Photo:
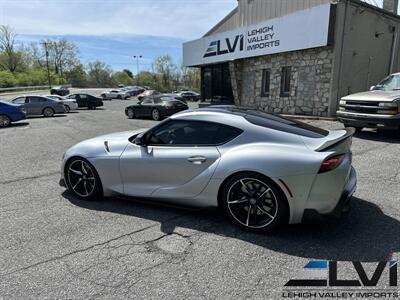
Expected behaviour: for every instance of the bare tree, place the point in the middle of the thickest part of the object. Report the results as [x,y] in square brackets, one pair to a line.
[63,55]
[10,58]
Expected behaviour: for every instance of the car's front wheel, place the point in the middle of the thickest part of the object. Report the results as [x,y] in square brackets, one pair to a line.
[131,113]
[82,179]
[67,109]
[4,121]
[254,202]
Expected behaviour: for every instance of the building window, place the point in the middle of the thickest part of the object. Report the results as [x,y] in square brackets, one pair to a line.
[285,81]
[266,78]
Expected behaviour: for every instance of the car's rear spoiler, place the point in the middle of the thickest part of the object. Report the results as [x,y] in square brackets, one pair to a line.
[335,141]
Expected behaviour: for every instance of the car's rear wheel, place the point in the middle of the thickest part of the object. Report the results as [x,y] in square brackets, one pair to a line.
[254,202]
[131,113]
[67,108]
[155,114]
[48,112]
[82,179]
[5,121]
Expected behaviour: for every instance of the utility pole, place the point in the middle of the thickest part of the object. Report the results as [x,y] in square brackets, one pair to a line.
[137,64]
[47,64]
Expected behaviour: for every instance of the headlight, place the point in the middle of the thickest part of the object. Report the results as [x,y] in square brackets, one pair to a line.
[342,102]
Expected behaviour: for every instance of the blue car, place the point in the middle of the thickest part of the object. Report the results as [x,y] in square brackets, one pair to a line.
[11,113]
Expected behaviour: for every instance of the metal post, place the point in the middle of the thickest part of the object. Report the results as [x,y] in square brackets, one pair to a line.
[47,64]
[137,65]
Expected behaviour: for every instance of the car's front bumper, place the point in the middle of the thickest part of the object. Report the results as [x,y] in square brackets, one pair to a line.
[369,120]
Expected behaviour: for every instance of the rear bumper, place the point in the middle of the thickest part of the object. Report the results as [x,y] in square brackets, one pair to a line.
[342,205]
[368,120]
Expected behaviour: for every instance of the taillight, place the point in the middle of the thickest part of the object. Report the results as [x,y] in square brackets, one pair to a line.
[331,163]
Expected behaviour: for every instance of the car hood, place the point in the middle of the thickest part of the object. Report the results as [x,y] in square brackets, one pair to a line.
[112,144]
[384,96]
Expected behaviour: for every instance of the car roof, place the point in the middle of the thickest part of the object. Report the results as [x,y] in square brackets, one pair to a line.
[244,117]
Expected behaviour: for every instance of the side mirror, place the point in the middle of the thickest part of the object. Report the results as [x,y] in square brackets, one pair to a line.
[372,88]
[140,140]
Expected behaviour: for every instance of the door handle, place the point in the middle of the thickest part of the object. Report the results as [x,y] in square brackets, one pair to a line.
[197,160]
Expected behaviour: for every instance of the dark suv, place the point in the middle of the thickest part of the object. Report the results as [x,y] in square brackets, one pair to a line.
[60,90]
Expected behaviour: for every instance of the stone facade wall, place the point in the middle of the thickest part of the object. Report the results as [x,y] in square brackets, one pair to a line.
[310,82]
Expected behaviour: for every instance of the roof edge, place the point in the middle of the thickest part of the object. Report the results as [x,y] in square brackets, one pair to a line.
[234,11]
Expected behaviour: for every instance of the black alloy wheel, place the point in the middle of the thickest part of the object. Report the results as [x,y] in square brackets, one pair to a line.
[254,202]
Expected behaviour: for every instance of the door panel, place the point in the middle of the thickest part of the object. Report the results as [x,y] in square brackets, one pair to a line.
[170,172]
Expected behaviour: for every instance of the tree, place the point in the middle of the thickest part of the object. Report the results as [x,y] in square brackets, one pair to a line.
[10,58]
[99,74]
[121,78]
[130,74]
[165,66]
[63,55]
[77,76]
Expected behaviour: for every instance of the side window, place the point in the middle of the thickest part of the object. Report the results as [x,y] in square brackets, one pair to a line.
[71,97]
[20,100]
[266,80]
[147,101]
[192,133]
[285,81]
[36,99]
[83,96]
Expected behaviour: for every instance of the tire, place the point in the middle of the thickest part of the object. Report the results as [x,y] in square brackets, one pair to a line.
[82,180]
[253,202]
[48,112]
[119,97]
[155,115]
[103,96]
[5,121]
[67,109]
[131,113]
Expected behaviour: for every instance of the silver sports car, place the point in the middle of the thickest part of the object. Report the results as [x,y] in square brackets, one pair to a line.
[260,169]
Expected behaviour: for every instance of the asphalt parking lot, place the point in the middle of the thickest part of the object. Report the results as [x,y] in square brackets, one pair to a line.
[55,246]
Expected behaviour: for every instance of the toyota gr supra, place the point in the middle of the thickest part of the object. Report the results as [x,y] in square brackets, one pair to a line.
[262,170]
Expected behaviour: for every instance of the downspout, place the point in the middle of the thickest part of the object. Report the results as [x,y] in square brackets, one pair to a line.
[393,50]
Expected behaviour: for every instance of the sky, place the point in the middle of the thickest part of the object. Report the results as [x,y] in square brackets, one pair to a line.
[115,30]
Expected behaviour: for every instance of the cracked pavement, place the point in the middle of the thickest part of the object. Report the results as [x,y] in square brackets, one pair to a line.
[53,245]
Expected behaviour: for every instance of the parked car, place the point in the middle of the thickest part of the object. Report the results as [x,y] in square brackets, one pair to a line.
[134,91]
[377,108]
[60,90]
[11,113]
[148,93]
[115,94]
[262,170]
[86,100]
[156,107]
[39,105]
[190,96]
[177,97]
[69,104]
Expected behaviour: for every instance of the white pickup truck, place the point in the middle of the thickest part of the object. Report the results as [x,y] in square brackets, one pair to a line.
[377,108]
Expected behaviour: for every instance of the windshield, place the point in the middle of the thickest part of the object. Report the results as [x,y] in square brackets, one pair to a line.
[391,83]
